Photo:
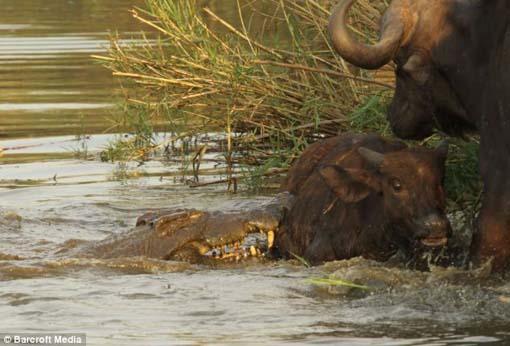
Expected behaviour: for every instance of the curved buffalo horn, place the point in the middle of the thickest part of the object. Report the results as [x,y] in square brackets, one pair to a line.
[372,157]
[359,54]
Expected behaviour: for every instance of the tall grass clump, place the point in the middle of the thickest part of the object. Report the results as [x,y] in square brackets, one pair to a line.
[271,82]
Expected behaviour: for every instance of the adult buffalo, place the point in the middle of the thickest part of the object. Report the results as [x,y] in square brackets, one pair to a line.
[453,71]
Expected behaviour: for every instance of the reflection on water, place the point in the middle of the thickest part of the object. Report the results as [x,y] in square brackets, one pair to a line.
[49,83]
[49,86]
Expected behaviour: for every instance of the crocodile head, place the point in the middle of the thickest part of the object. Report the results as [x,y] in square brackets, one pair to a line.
[204,237]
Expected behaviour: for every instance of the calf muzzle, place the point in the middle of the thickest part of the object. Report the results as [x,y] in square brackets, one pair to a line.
[436,230]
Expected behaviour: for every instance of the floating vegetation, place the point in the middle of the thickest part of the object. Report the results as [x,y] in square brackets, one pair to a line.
[336,282]
[301,260]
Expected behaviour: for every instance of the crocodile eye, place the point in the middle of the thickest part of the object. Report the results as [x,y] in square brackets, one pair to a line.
[396,185]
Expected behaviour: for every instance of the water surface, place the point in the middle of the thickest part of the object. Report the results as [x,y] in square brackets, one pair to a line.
[50,84]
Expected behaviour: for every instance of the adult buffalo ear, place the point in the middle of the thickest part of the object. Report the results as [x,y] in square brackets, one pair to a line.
[350,185]
[417,68]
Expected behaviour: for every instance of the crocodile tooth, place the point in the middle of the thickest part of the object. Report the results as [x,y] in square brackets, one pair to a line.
[270,239]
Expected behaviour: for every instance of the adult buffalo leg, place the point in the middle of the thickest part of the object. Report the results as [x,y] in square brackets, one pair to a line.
[493,237]
[492,240]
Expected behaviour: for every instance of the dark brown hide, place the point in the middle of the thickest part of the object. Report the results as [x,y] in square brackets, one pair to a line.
[453,71]
[347,204]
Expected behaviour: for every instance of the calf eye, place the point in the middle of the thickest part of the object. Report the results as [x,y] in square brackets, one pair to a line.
[396,185]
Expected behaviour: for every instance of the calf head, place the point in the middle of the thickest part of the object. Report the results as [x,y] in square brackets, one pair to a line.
[408,184]
[425,39]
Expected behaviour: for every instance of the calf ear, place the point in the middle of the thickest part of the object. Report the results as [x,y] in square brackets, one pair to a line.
[373,158]
[350,185]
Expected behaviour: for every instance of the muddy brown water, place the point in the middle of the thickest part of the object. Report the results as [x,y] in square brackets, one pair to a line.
[50,88]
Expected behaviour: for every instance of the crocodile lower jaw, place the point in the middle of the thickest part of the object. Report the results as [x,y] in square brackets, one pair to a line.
[253,245]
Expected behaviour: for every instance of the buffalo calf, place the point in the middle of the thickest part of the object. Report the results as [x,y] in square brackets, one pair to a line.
[363,195]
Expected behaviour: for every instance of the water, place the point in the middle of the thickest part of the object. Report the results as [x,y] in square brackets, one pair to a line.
[51,91]
[50,85]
